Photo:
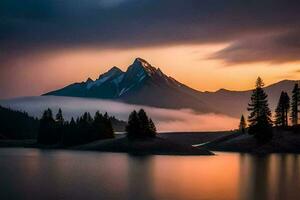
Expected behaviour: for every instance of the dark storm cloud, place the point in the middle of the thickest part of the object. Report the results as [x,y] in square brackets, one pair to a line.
[52,24]
[274,48]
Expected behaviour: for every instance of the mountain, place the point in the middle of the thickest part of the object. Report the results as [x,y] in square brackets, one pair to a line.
[144,84]
[234,103]
[140,84]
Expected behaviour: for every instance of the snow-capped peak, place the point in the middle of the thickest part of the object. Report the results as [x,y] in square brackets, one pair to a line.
[118,84]
[137,73]
[113,71]
[141,63]
[114,74]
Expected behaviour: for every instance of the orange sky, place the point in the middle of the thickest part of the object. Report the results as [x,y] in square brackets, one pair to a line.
[46,45]
[188,64]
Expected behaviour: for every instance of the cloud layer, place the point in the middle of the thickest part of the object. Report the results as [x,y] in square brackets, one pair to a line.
[165,119]
[257,30]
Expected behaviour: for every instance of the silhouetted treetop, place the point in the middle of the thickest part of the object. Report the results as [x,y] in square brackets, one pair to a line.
[243,124]
[281,112]
[140,125]
[259,83]
[85,129]
[260,122]
[295,104]
[59,116]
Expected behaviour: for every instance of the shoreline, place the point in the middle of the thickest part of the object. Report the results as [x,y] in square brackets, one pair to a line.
[182,143]
[149,146]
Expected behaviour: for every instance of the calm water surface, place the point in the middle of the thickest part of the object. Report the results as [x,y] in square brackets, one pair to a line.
[40,174]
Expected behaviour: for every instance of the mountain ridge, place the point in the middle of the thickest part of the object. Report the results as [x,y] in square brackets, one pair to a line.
[145,84]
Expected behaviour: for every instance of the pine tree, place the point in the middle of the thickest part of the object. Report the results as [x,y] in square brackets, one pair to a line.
[243,124]
[144,123]
[72,124]
[87,118]
[102,126]
[47,130]
[282,110]
[295,104]
[279,113]
[133,125]
[260,122]
[60,125]
[152,128]
[108,129]
[98,126]
[140,125]
[69,134]
[59,117]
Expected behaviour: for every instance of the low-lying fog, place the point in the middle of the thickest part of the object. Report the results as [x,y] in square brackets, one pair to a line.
[165,119]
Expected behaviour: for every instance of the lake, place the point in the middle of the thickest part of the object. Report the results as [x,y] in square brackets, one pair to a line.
[60,174]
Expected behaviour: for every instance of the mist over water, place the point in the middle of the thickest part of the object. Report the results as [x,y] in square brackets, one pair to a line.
[165,119]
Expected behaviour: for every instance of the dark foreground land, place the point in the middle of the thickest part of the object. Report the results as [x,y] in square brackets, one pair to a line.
[156,146]
[184,143]
[164,144]
[283,141]
[192,138]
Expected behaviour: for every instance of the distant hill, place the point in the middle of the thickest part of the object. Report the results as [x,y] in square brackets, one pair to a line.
[234,103]
[146,85]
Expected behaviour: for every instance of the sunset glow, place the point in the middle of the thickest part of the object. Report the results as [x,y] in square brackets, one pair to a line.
[203,44]
[148,99]
[189,64]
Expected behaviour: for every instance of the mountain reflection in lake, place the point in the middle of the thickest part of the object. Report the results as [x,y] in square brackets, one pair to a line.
[41,174]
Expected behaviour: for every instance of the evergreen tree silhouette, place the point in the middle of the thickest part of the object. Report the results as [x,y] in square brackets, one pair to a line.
[98,125]
[59,125]
[144,123]
[102,127]
[260,122]
[84,130]
[295,104]
[133,125]
[243,124]
[17,125]
[108,129]
[69,134]
[152,128]
[140,125]
[47,130]
[59,117]
[72,123]
[282,110]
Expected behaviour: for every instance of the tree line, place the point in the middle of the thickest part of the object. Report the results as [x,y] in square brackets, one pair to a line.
[85,129]
[260,117]
[17,125]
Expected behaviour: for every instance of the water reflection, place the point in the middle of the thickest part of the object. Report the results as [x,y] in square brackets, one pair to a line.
[35,174]
[271,177]
[140,178]
[254,177]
